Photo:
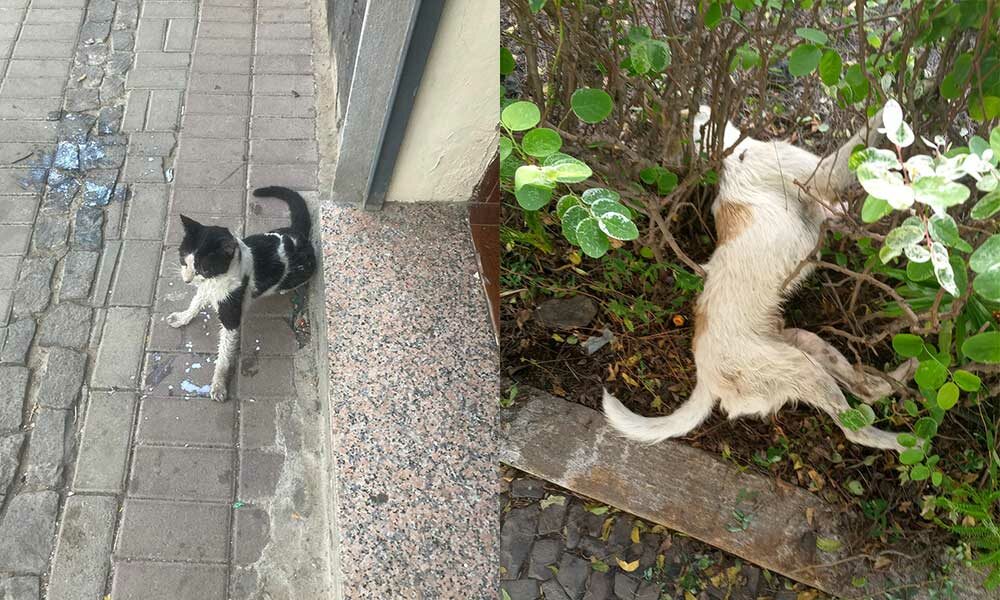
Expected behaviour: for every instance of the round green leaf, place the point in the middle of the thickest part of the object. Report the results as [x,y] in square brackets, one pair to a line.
[594,194]
[533,196]
[830,66]
[618,226]
[984,348]
[925,428]
[813,35]
[565,203]
[919,472]
[874,209]
[519,116]
[591,105]
[967,381]
[506,147]
[603,206]
[571,219]
[639,58]
[987,256]
[854,486]
[919,271]
[907,345]
[592,240]
[713,15]
[931,374]
[911,456]
[939,193]
[507,63]
[987,284]
[566,170]
[659,55]
[947,396]
[541,142]
[944,229]
[857,418]
[803,60]
[903,236]
[906,440]
[987,206]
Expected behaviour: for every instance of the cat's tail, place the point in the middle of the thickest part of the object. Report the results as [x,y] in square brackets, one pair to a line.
[656,429]
[301,222]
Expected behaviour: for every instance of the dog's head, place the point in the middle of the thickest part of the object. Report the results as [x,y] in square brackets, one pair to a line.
[700,133]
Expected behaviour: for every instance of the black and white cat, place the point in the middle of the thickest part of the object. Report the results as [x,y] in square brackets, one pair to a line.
[229,272]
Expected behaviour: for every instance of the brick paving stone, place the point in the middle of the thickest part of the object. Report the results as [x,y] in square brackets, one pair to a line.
[61,378]
[251,527]
[19,587]
[217,104]
[179,421]
[284,46]
[164,110]
[66,324]
[173,530]
[100,465]
[281,128]
[224,46]
[165,374]
[28,529]
[208,149]
[283,151]
[226,175]
[135,110]
[80,564]
[257,423]
[259,474]
[180,35]
[227,30]
[231,12]
[147,212]
[268,336]
[136,277]
[232,127]
[120,353]
[33,285]
[10,449]
[20,333]
[171,79]
[78,274]
[295,176]
[220,83]
[141,580]
[201,335]
[14,238]
[160,60]
[46,445]
[222,63]
[13,388]
[105,270]
[182,473]
[283,85]
[283,15]
[265,376]
[17,209]
[283,64]
[284,30]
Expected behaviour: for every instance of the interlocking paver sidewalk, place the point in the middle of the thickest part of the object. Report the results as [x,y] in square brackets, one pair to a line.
[117,475]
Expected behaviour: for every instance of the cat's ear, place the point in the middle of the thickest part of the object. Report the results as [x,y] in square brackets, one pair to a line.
[190,225]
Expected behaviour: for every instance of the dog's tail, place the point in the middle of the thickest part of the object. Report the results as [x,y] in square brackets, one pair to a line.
[656,429]
[301,222]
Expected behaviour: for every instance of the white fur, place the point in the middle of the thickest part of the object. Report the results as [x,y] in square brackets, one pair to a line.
[744,359]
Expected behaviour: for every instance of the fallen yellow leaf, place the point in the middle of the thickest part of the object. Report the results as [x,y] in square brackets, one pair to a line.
[689,596]
[635,535]
[628,567]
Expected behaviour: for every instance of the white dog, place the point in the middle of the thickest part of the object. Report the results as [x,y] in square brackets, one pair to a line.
[746,360]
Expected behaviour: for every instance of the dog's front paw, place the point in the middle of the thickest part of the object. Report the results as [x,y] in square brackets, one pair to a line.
[177,319]
[218,392]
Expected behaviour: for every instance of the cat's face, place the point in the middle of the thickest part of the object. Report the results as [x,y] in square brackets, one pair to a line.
[206,252]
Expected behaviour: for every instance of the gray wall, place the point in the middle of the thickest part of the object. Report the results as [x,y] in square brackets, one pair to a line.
[345,18]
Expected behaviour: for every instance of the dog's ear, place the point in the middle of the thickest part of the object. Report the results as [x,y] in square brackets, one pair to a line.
[190,225]
[229,246]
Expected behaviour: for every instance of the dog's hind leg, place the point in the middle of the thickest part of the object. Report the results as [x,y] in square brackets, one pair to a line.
[827,397]
[865,386]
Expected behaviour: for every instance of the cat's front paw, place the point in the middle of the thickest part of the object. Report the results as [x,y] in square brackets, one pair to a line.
[177,319]
[218,392]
